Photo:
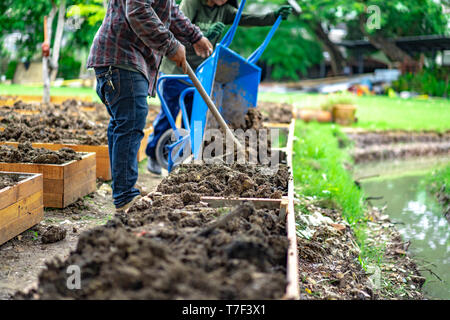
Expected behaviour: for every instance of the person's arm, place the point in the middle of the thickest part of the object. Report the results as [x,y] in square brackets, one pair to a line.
[148,27]
[248,19]
[183,29]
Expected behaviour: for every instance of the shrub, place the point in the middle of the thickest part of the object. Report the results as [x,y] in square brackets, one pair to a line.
[12,65]
[433,82]
[69,67]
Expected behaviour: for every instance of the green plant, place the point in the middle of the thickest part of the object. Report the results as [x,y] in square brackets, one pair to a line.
[11,69]
[69,66]
[433,82]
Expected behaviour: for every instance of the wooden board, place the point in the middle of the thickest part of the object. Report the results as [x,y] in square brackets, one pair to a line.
[293,287]
[11,99]
[103,169]
[259,203]
[21,206]
[62,184]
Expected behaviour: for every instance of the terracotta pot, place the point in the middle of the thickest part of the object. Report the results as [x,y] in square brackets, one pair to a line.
[344,114]
[310,114]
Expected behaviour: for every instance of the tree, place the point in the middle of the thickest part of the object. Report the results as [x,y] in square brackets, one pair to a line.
[27,17]
[396,19]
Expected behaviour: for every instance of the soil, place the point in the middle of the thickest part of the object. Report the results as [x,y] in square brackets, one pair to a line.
[24,257]
[53,234]
[276,112]
[72,122]
[253,126]
[163,253]
[191,181]
[25,153]
[9,180]
[379,145]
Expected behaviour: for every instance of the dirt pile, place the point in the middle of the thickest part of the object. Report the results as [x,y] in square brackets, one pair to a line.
[252,135]
[25,153]
[8,180]
[191,181]
[168,256]
[275,112]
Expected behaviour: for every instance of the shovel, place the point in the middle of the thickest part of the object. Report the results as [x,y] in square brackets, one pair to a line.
[211,106]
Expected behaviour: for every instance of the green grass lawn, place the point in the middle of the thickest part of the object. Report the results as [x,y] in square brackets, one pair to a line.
[16,89]
[374,112]
[381,112]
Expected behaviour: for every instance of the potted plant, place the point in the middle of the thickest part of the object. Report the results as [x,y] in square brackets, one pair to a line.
[342,108]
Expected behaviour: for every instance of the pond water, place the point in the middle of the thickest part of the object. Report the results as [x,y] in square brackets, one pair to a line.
[417,215]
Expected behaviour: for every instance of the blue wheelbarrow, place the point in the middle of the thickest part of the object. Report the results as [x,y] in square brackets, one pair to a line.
[232,83]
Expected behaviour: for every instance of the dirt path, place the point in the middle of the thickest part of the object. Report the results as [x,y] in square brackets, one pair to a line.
[24,257]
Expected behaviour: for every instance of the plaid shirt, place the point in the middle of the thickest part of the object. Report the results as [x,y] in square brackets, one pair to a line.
[138,33]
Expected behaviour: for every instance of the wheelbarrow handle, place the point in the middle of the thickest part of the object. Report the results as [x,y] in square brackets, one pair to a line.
[211,106]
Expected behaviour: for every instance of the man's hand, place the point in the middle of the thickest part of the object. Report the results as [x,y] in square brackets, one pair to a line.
[215,30]
[180,57]
[203,48]
[284,12]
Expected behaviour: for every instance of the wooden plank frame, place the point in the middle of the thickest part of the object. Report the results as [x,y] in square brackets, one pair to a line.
[21,205]
[103,169]
[64,183]
[286,206]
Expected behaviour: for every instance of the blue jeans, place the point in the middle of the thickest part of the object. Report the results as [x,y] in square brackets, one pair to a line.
[124,94]
[171,90]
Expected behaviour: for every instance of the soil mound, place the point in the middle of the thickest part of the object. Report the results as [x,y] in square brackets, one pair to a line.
[191,181]
[8,180]
[170,258]
[25,153]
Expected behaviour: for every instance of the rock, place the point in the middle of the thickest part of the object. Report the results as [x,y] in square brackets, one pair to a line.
[53,234]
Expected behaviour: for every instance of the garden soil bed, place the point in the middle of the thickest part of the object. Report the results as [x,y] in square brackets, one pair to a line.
[385,145]
[168,257]
[72,122]
[170,248]
[8,180]
[25,153]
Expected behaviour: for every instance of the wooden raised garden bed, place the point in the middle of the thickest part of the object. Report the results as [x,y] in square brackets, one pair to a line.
[103,169]
[21,205]
[63,183]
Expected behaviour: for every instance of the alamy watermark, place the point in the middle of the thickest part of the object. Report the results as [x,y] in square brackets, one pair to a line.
[73,281]
[74,20]
[374,20]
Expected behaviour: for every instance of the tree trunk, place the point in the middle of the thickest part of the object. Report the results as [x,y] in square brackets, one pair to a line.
[58,39]
[337,59]
[46,60]
[390,49]
[105,4]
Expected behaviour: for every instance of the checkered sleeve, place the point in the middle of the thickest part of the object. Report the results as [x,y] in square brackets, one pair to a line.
[148,27]
[183,29]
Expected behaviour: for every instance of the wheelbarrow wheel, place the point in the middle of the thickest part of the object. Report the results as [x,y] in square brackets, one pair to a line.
[162,150]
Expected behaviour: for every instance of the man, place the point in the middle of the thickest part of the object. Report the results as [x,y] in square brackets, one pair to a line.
[126,54]
[210,16]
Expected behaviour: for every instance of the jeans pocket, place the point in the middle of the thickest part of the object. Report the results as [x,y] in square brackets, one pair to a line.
[100,89]
[112,86]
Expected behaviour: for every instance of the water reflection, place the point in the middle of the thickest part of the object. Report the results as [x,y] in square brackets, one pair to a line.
[419,219]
